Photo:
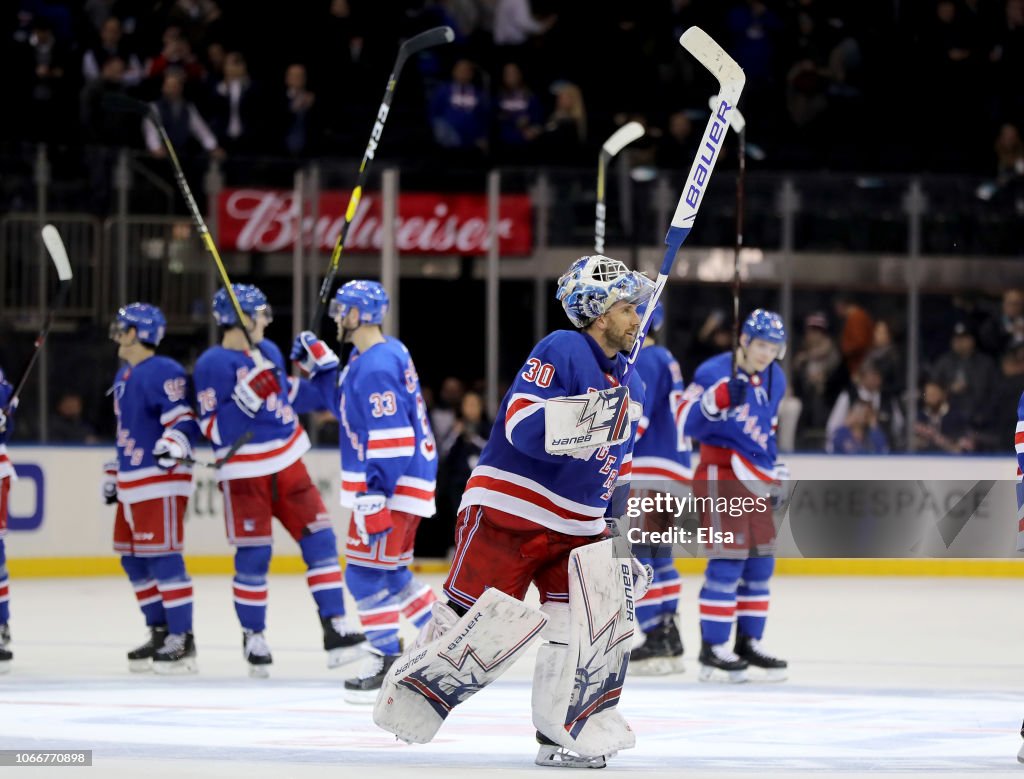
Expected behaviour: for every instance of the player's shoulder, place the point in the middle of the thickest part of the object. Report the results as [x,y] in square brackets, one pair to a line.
[714,367]
[778,380]
[215,355]
[160,366]
[271,350]
[560,345]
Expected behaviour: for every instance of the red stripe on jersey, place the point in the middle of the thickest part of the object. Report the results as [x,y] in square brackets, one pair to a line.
[660,473]
[208,428]
[1019,437]
[5,591]
[524,493]
[626,469]
[239,458]
[413,492]
[160,478]
[516,406]
[390,443]
[175,420]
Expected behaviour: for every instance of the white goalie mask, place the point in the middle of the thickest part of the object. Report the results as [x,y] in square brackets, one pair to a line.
[593,284]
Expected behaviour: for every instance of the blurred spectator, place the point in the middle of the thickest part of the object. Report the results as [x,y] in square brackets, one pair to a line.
[1009,154]
[860,433]
[565,133]
[442,415]
[296,108]
[713,337]
[968,377]
[857,335]
[176,54]
[182,120]
[1009,388]
[213,70]
[814,370]
[459,453]
[867,386]
[519,115]
[514,22]
[41,71]
[235,110]
[1005,330]
[67,424]
[677,148]
[460,111]
[940,427]
[111,44]
[885,354]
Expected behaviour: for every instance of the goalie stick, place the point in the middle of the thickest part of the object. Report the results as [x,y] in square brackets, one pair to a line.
[59,255]
[414,45]
[616,142]
[730,81]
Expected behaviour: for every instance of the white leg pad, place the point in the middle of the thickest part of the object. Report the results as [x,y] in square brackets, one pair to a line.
[429,680]
[576,687]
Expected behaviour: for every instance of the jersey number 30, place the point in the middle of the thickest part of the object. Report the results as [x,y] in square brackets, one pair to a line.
[538,373]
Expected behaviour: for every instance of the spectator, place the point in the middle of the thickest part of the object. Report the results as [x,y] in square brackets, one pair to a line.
[860,433]
[677,148]
[1009,154]
[1006,330]
[886,355]
[67,424]
[939,426]
[176,54]
[298,131]
[867,386]
[111,44]
[442,415]
[857,335]
[42,70]
[182,120]
[814,369]
[460,112]
[565,134]
[1009,389]
[519,115]
[968,377]
[235,111]
[459,451]
[514,22]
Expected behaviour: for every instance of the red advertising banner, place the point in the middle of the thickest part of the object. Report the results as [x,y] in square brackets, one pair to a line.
[264,220]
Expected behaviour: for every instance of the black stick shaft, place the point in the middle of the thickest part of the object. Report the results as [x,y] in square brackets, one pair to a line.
[740,186]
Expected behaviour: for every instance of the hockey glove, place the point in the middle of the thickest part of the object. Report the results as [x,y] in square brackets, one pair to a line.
[4,417]
[3,422]
[171,448]
[728,393]
[782,487]
[643,578]
[259,384]
[108,487]
[372,516]
[312,354]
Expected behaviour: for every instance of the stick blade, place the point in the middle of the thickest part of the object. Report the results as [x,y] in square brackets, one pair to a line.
[59,255]
[713,57]
[622,137]
[428,38]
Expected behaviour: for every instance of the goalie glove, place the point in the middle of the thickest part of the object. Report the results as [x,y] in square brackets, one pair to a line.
[108,487]
[171,448]
[312,354]
[372,516]
[259,384]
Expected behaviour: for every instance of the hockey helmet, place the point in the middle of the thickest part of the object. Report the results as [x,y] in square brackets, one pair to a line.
[593,284]
[148,320]
[251,300]
[768,326]
[369,297]
[657,316]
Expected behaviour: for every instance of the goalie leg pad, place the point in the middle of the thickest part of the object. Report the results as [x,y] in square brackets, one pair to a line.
[576,687]
[428,681]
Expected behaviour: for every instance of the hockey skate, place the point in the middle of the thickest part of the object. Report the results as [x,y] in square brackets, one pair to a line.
[749,649]
[718,657]
[364,687]
[5,654]
[551,755]
[661,653]
[343,644]
[1020,754]
[257,654]
[176,656]
[140,659]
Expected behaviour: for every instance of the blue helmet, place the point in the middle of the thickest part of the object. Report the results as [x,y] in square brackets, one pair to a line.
[768,326]
[592,285]
[250,299]
[148,320]
[657,316]
[369,297]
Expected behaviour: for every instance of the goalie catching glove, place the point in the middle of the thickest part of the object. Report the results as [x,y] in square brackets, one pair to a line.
[372,516]
[312,354]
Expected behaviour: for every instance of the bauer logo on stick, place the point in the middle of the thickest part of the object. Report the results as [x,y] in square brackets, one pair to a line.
[591,420]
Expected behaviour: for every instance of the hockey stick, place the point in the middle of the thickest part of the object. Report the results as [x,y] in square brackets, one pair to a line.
[739,125]
[616,142]
[59,255]
[730,81]
[416,44]
[241,441]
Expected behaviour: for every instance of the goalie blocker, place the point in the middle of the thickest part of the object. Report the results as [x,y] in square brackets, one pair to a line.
[584,423]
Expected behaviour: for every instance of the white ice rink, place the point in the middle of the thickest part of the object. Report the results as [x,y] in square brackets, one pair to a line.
[894,675]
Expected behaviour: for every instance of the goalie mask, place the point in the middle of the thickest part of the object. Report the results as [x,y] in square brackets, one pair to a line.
[592,285]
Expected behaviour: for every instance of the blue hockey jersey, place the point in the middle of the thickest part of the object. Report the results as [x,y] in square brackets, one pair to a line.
[662,451]
[149,398]
[748,430]
[278,440]
[386,443]
[6,390]
[516,475]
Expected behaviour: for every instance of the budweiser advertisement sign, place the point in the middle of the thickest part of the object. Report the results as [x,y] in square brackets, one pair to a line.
[264,220]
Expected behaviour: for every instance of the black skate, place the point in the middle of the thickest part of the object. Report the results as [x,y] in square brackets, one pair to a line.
[6,655]
[552,755]
[364,687]
[177,655]
[1020,754]
[343,645]
[750,650]
[661,653]
[718,657]
[140,659]
[257,654]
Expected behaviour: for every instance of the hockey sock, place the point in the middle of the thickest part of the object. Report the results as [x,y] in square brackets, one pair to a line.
[5,590]
[414,598]
[377,607]
[752,596]
[146,590]
[323,574]
[250,586]
[718,599]
[175,591]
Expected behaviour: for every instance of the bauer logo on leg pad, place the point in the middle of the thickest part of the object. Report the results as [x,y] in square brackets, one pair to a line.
[590,420]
